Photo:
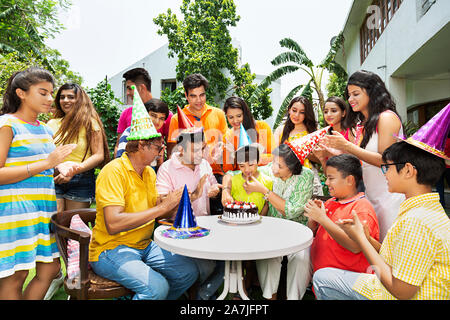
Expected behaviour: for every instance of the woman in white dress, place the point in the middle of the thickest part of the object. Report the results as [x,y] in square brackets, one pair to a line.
[376,124]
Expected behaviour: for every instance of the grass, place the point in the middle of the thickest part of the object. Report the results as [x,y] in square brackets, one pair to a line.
[60,294]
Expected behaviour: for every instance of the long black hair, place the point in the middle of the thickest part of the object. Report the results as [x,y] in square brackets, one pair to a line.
[310,119]
[344,108]
[22,80]
[380,100]
[248,119]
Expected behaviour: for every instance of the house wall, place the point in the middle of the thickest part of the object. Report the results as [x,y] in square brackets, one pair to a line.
[405,34]
[160,67]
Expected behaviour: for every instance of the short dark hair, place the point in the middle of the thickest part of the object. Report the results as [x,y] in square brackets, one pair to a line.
[347,165]
[193,81]
[247,154]
[284,151]
[156,105]
[185,137]
[139,76]
[429,167]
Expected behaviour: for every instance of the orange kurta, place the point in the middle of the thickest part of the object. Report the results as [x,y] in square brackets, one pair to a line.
[214,126]
[265,138]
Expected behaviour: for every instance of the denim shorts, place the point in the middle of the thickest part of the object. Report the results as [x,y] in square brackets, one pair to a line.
[80,188]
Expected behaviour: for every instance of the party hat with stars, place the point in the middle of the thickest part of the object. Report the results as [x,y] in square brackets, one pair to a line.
[185,226]
[142,127]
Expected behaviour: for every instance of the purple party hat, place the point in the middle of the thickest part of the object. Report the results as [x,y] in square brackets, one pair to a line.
[432,135]
[185,225]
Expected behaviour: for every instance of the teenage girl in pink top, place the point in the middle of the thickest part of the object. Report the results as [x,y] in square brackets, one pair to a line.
[335,113]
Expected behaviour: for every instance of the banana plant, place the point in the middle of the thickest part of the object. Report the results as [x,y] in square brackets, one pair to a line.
[295,59]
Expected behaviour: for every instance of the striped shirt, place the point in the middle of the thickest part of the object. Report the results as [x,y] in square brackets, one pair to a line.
[26,206]
[417,247]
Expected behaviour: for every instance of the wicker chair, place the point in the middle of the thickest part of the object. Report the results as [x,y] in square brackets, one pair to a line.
[91,286]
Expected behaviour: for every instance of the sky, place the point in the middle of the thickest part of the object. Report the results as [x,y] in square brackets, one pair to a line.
[103,37]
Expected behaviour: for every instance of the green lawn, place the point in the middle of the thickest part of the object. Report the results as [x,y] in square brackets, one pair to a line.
[60,294]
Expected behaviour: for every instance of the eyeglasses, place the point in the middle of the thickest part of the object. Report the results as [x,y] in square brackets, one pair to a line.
[385,166]
[158,146]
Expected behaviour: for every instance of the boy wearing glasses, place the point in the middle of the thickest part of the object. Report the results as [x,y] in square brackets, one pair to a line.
[414,260]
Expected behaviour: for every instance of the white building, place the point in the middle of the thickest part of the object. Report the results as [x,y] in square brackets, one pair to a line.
[407,43]
[162,70]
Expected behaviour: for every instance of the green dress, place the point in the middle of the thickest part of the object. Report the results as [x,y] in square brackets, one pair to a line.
[296,191]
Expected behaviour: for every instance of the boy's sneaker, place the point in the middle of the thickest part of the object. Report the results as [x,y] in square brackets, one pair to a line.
[54,286]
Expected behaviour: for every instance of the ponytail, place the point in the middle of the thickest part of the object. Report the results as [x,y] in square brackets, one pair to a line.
[22,80]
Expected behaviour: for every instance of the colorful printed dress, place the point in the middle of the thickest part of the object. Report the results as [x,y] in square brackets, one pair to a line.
[26,206]
[296,191]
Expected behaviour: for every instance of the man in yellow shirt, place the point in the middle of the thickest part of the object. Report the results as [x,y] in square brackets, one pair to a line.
[121,248]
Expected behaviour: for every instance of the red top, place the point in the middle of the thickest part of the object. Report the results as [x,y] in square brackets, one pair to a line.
[326,252]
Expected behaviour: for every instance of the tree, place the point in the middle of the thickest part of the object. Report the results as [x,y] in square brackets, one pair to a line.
[107,106]
[296,59]
[24,26]
[12,62]
[202,43]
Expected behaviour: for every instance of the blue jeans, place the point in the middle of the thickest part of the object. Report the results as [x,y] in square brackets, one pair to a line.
[335,284]
[151,273]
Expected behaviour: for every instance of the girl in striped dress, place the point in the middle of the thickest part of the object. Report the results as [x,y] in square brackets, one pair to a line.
[27,191]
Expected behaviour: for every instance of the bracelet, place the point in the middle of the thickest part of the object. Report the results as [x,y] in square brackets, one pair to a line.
[266,195]
[28,170]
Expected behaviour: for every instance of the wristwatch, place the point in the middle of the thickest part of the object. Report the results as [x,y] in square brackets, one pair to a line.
[266,195]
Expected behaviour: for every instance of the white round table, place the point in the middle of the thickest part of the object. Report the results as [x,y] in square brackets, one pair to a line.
[268,238]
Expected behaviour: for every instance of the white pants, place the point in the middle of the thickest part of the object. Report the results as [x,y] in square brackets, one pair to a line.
[299,273]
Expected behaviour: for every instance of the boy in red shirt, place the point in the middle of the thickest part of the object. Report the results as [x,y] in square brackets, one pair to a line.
[331,246]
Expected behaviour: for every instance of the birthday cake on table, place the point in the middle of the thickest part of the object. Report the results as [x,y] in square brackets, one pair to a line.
[239,211]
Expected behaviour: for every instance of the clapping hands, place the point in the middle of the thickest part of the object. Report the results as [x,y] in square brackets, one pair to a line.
[354,228]
[315,210]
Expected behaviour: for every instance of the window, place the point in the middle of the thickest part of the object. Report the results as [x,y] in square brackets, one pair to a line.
[379,14]
[168,83]
[126,100]
[422,113]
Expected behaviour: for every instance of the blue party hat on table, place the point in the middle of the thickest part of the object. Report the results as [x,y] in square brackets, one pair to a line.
[185,226]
